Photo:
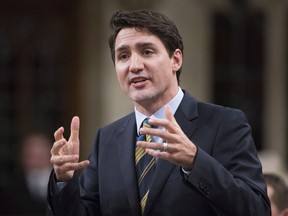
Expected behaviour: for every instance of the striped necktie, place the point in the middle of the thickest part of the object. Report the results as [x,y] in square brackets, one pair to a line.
[145,167]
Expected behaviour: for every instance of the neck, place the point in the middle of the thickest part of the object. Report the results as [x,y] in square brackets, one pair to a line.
[149,107]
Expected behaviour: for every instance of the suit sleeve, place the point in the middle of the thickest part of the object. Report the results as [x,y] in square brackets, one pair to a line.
[65,201]
[230,174]
[80,196]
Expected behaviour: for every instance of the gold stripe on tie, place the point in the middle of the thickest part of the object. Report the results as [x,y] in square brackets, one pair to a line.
[143,201]
[147,168]
[140,152]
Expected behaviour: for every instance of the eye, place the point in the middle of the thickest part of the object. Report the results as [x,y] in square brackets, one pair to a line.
[123,56]
[147,52]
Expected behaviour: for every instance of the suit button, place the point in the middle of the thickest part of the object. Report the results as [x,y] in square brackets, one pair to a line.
[204,188]
[201,185]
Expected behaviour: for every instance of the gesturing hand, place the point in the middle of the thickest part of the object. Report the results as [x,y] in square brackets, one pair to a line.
[180,151]
[65,154]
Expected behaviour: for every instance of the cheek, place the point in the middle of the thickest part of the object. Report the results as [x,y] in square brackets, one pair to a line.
[122,77]
[120,71]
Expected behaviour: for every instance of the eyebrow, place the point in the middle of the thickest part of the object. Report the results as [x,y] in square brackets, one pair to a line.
[138,45]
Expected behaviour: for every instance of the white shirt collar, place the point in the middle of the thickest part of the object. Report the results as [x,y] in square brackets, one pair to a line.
[174,104]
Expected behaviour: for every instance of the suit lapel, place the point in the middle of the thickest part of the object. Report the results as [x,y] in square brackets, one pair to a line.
[185,114]
[126,148]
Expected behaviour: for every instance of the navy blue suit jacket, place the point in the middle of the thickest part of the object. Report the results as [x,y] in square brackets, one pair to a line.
[226,178]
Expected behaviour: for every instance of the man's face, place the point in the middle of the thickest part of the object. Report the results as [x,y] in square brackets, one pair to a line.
[144,69]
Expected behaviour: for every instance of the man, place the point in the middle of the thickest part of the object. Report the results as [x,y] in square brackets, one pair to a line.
[201,157]
[277,193]
[27,192]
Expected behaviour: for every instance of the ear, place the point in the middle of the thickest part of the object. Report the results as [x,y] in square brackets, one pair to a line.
[177,60]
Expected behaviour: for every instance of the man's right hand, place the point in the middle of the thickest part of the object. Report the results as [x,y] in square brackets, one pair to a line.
[65,154]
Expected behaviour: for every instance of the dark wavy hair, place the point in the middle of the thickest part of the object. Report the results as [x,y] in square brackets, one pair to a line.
[147,20]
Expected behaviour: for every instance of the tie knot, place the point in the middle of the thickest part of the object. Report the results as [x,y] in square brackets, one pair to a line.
[145,123]
[143,137]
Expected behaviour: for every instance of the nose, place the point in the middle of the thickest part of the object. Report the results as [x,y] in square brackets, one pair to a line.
[136,64]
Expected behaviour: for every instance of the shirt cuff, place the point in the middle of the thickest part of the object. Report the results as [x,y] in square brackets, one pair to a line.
[187,173]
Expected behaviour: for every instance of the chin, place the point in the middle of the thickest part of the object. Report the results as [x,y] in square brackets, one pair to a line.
[143,95]
[139,97]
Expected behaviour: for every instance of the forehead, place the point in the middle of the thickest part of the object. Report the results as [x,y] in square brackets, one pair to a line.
[130,36]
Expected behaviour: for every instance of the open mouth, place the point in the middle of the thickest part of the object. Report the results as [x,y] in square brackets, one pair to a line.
[138,82]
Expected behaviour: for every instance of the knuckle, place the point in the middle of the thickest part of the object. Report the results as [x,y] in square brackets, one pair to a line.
[70,167]
[162,133]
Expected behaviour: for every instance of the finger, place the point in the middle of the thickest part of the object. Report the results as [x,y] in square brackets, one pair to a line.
[152,131]
[62,159]
[82,164]
[57,146]
[169,124]
[158,154]
[158,132]
[169,115]
[59,134]
[71,167]
[74,129]
[150,145]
